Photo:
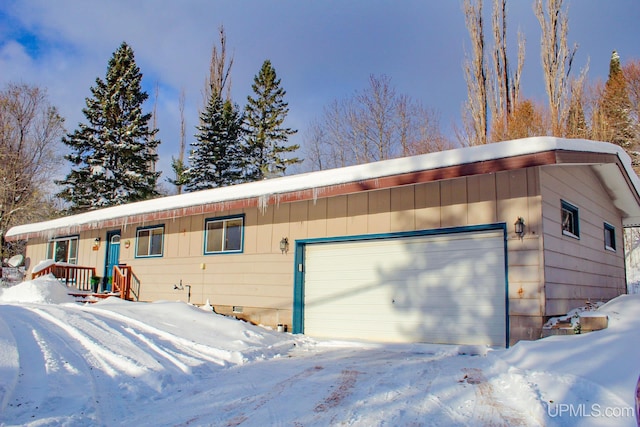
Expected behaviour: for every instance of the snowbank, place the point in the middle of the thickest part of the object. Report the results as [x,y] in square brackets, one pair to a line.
[43,290]
[588,366]
[241,341]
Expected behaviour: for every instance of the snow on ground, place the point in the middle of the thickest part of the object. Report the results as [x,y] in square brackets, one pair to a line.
[169,363]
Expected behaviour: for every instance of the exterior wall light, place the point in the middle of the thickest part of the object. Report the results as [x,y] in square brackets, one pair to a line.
[284,245]
[519,227]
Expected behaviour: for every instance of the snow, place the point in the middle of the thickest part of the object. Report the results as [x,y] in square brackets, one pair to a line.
[270,189]
[632,259]
[169,363]
[44,290]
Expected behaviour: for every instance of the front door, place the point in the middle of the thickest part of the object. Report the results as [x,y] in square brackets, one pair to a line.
[112,258]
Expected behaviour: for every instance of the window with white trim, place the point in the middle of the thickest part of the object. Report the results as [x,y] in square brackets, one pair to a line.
[149,241]
[609,237]
[63,249]
[570,220]
[223,235]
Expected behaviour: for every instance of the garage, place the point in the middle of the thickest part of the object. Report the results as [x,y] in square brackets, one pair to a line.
[438,286]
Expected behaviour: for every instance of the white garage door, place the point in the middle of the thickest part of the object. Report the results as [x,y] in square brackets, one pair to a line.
[444,288]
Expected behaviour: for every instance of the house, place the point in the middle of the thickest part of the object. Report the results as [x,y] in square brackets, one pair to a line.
[478,245]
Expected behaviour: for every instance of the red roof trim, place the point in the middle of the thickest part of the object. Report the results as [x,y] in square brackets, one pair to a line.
[451,172]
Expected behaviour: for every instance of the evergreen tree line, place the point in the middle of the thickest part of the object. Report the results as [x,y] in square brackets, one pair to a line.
[113,154]
[234,146]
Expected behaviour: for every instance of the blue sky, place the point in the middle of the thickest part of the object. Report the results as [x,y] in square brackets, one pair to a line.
[321,50]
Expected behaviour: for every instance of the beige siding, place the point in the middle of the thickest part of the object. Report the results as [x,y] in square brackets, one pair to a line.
[402,209]
[428,210]
[581,269]
[36,252]
[260,279]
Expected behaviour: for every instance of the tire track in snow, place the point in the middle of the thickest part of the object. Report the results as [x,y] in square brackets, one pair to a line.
[184,346]
[126,358]
[256,402]
[110,362]
[46,352]
[492,412]
[123,350]
[9,370]
[347,381]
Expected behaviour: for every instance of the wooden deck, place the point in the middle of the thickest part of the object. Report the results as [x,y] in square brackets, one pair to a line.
[83,285]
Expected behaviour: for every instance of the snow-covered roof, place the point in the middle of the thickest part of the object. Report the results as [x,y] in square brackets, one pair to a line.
[624,184]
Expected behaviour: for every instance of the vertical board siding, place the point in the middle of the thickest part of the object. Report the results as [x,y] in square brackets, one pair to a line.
[578,270]
[402,208]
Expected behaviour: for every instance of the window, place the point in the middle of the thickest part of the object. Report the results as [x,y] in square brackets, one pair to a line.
[570,220]
[63,249]
[609,237]
[149,242]
[223,235]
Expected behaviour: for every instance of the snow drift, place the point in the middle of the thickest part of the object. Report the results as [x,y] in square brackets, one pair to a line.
[169,363]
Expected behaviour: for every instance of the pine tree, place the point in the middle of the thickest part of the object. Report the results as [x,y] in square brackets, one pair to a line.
[266,138]
[113,156]
[616,106]
[217,155]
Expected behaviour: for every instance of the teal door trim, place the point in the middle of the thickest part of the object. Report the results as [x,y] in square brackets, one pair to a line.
[299,267]
[112,257]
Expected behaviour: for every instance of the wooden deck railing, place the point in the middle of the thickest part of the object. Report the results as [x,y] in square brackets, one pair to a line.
[70,275]
[125,282]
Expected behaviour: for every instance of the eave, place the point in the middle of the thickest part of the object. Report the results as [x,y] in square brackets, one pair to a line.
[610,163]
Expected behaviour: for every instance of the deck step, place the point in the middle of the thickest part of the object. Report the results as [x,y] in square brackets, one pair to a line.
[91,297]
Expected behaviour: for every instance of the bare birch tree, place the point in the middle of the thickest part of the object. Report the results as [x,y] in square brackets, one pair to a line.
[30,130]
[492,92]
[505,86]
[177,163]
[476,113]
[374,124]
[557,59]
[219,77]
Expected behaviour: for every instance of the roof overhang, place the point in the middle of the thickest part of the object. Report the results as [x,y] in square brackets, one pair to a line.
[610,163]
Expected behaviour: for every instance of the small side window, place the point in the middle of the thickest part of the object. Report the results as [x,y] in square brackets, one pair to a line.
[570,220]
[609,237]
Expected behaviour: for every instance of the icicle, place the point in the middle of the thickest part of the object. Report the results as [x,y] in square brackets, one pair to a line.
[263,203]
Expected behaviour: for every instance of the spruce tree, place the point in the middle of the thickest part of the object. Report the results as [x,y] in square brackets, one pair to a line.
[616,106]
[217,155]
[113,156]
[266,138]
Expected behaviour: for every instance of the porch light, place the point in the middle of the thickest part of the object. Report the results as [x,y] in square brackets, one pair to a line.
[96,240]
[284,245]
[519,227]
